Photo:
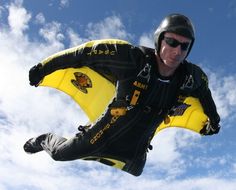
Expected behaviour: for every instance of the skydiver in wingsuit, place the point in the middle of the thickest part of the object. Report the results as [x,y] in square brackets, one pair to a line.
[148,84]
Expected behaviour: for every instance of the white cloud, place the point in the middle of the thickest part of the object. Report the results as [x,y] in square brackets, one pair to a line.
[40,18]
[147,40]
[74,38]
[51,32]
[168,156]
[61,3]
[64,3]
[224,94]
[18,18]
[234,168]
[1,11]
[110,27]
[229,83]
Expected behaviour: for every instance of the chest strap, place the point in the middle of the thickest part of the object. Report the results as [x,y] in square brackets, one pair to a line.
[140,85]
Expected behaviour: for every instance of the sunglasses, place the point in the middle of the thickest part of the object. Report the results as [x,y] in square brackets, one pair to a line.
[174,43]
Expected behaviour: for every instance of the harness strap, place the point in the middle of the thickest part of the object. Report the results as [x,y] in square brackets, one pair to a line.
[140,84]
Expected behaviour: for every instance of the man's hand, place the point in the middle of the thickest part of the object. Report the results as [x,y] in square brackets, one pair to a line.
[210,129]
[35,75]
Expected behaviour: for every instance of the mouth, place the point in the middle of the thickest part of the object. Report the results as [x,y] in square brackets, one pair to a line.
[177,58]
[174,59]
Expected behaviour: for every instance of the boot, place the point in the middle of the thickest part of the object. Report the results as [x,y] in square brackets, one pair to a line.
[33,145]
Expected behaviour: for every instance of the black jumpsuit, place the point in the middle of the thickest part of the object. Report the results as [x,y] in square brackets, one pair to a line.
[122,141]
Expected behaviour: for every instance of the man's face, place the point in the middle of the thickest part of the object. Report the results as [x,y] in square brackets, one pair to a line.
[174,49]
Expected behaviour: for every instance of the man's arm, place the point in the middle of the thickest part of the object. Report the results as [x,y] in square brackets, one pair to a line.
[204,94]
[108,57]
[196,84]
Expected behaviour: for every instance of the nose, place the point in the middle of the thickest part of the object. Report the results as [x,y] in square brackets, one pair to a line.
[178,50]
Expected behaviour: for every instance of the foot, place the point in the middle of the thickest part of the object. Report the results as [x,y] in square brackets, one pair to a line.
[32,146]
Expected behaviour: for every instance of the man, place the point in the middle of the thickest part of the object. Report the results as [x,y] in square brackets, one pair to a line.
[149,82]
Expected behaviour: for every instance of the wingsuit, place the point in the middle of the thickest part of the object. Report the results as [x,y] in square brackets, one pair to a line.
[122,135]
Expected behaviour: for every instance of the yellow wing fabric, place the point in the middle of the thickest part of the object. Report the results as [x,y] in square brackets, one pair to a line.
[189,115]
[88,88]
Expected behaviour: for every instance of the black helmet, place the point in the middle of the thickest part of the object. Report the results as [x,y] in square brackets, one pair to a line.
[178,24]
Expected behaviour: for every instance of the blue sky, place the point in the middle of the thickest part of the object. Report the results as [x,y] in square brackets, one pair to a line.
[33,30]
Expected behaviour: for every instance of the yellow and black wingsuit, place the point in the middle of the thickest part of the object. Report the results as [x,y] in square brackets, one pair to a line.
[93,91]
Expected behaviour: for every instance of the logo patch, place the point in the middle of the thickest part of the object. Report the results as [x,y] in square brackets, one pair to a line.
[179,110]
[188,83]
[82,82]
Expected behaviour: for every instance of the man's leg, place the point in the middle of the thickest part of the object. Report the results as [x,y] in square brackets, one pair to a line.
[60,148]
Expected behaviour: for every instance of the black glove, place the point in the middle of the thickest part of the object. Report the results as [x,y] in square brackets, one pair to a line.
[210,128]
[35,75]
